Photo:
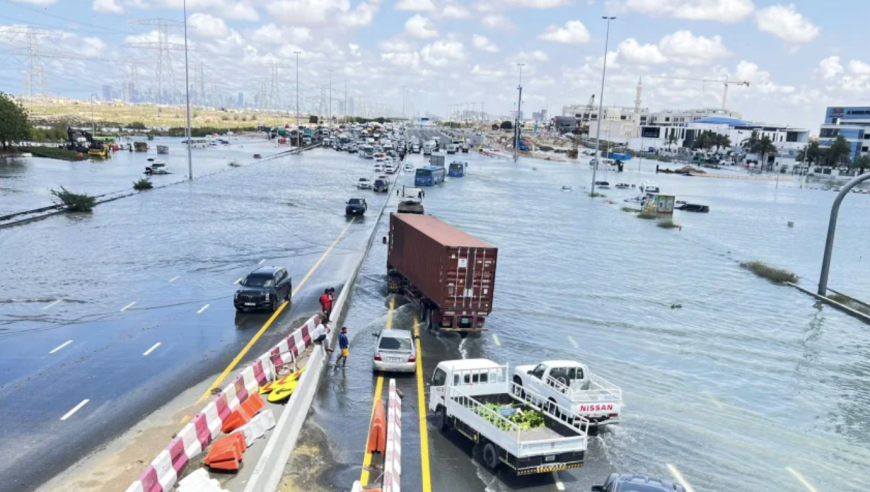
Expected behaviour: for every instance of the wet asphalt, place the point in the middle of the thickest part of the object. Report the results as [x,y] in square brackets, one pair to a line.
[85,298]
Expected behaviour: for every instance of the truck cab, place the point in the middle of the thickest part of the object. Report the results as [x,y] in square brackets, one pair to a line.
[464,374]
[570,384]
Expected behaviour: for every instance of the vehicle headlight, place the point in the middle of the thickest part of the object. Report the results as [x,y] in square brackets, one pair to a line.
[236,296]
[267,296]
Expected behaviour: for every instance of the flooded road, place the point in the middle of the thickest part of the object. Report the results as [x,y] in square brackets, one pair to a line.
[729,381]
[26,184]
[106,317]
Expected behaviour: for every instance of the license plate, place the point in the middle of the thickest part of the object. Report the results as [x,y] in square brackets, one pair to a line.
[549,458]
[250,304]
[395,359]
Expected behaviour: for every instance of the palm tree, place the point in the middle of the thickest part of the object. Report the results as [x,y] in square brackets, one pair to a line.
[763,147]
[861,163]
[672,139]
[838,152]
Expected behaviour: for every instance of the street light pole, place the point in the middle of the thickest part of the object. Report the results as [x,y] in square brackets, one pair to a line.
[298,138]
[93,121]
[601,104]
[187,97]
[403,102]
[329,106]
[519,104]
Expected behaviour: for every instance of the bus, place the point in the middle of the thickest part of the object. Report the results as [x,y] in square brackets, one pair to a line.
[429,176]
[456,170]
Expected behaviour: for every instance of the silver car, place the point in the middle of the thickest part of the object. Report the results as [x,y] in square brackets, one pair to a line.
[395,351]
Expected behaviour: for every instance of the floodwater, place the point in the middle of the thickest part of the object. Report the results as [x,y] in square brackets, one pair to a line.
[26,183]
[734,382]
[131,305]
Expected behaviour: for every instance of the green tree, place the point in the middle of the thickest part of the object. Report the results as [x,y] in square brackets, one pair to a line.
[861,163]
[672,139]
[506,125]
[838,153]
[811,154]
[721,140]
[762,147]
[13,121]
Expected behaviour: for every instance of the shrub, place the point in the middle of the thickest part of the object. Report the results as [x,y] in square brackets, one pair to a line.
[74,202]
[142,185]
[647,216]
[631,210]
[775,275]
[852,303]
[667,224]
[595,194]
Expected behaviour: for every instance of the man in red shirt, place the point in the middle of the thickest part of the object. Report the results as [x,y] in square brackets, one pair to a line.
[326,303]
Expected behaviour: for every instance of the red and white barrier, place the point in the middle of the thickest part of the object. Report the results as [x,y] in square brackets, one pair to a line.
[393,456]
[162,474]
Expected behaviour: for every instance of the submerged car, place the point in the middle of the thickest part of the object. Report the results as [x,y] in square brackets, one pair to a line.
[364,184]
[356,206]
[395,351]
[636,483]
[264,288]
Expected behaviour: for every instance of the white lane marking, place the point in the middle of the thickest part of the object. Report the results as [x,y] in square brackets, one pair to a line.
[154,347]
[75,409]
[203,309]
[679,477]
[52,304]
[495,339]
[173,279]
[559,484]
[261,262]
[128,306]
[573,342]
[64,344]
[801,479]
[237,281]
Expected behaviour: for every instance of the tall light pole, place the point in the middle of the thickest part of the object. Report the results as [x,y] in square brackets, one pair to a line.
[298,138]
[187,97]
[93,121]
[600,105]
[517,125]
[329,106]
[403,102]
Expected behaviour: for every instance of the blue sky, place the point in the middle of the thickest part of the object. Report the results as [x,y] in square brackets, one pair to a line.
[798,56]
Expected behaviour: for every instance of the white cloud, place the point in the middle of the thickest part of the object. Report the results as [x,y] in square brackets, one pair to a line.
[858,67]
[420,27]
[716,10]
[760,80]
[323,12]
[362,15]
[397,45]
[536,4]
[784,22]
[402,59]
[423,5]
[208,26]
[107,7]
[153,37]
[455,11]
[442,53]
[230,9]
[573,32]
[36,2]
[483,44]
[647,54]
[831,67]
[536,55]
[497,21]
[685,48]
[92,47]
[272,34]
[486,73]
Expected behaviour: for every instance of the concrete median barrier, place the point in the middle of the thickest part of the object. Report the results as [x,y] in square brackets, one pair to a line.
[393,458]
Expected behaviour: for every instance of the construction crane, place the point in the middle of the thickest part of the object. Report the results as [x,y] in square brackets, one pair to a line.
[725,83]
[582,127]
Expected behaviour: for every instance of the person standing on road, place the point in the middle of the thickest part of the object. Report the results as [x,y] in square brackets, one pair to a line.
[326,303]
[344,346]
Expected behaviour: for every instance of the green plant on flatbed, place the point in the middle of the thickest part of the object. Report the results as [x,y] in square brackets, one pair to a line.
[526,418]
[775,275]
[668,224]
[74,202]
[647,215]
[142,185]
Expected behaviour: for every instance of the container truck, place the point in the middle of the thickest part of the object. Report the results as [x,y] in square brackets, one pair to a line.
[446,273]
[476,398]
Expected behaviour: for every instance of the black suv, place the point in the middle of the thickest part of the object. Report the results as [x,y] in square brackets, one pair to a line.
[636,483]
[356,206]
[264,288]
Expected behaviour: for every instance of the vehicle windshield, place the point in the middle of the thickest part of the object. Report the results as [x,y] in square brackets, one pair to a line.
[424,172]
[259,281]
[388,343]
[354,201]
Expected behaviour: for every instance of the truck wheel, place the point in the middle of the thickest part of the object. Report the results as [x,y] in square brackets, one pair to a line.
[490,456]
[518,389]
[444,422]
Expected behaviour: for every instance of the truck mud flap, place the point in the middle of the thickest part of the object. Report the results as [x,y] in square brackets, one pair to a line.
[549,468]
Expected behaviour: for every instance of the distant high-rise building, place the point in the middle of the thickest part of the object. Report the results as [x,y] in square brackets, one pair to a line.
[107,92]
[241,101]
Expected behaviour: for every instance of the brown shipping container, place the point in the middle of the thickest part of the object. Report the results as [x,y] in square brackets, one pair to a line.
[453,269]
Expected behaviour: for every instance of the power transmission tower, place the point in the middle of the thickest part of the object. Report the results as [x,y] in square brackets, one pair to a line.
[25,41]
[164,71]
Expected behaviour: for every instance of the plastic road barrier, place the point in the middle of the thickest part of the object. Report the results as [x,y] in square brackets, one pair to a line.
[393,458]
[378,432]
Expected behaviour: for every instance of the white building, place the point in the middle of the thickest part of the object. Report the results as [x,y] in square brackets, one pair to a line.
[618,122]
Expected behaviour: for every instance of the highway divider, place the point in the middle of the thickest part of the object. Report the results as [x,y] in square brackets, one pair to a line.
[393,458]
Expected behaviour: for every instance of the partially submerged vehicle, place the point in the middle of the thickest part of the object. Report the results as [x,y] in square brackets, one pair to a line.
[356,206]
[156,168]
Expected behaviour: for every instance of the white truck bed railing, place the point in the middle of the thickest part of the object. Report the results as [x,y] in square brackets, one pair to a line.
[508,435]
[600,390]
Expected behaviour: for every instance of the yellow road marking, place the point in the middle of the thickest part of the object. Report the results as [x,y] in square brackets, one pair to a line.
[379,388]
[421,406]
[801,479]
[185,419]
[277,312]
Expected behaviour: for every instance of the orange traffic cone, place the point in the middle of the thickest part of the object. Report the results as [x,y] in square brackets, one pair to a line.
[378,432]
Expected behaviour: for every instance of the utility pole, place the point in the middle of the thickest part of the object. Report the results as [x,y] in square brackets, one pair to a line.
[187,96]
[329,111]
[297,98]
[519,104]
[93,121]
[600,105]
[346,109]
[403,102]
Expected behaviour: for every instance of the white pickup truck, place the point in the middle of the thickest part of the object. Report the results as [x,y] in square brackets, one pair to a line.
[570,384]
[477,398]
